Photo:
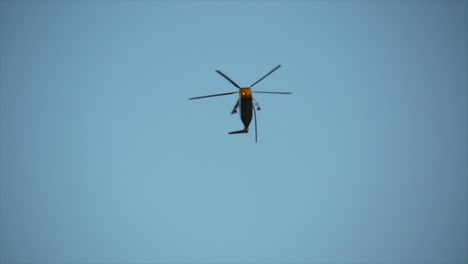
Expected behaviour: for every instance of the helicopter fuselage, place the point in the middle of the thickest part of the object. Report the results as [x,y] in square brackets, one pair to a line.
[246,107]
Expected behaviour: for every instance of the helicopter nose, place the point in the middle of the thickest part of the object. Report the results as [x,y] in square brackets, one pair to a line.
[246,93]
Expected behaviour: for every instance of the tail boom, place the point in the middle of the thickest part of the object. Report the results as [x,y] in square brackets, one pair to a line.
[243,131]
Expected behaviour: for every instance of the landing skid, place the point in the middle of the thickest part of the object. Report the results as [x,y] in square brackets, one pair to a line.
[257,105]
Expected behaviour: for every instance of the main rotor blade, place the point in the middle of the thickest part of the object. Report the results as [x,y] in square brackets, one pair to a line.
[273,92]
[213,95]
[227,78]
[265,76]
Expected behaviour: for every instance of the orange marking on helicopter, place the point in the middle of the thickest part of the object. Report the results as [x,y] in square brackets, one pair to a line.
[246,93]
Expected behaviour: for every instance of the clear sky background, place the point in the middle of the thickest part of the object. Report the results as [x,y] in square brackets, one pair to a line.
[105,160]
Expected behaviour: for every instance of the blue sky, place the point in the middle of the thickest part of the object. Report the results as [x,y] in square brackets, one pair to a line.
[104,160]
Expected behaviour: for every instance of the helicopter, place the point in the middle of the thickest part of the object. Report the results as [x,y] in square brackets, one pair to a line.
[245,102]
